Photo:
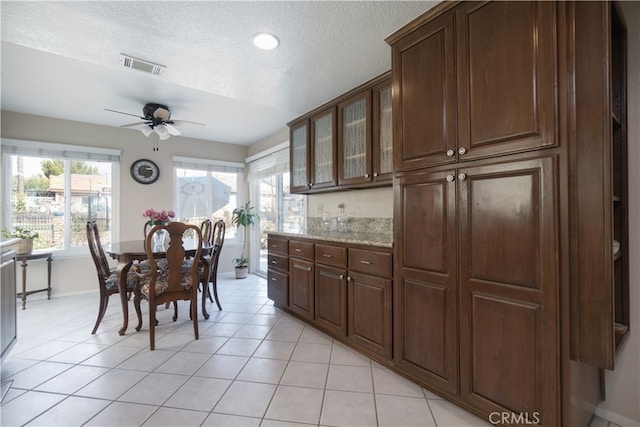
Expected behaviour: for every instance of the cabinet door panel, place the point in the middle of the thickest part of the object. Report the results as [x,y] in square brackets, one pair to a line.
[354,140]
[324,157]
[382,137]
[299,157]
[301,287]
[423,72]
[425,285]
[506,77]
[369,301]
[509,293]
[331,299]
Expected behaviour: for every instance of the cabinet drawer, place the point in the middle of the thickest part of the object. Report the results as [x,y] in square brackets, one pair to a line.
[278,262]
[278,287]
[331,255]
[300,249]
[278,246]
[368,262]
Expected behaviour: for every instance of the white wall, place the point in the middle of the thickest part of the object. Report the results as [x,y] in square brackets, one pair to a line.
[133,198]
[623,384]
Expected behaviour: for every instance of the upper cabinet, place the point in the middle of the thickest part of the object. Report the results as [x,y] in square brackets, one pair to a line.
[349,143]
[447,71]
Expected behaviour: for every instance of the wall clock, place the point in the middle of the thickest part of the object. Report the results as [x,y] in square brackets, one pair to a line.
[144,171]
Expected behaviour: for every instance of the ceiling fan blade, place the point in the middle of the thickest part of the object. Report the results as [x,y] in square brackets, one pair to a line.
[136,125]
[179,122]
[122,112]
[172,130]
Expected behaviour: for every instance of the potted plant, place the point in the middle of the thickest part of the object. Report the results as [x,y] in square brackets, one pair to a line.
[243,216]
[25,246]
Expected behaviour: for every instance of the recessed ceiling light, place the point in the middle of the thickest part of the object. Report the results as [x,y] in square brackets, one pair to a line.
[266,41]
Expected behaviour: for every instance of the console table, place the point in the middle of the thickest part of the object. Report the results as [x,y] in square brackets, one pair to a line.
[23,258]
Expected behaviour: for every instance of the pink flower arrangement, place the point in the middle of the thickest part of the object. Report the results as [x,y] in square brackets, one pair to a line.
[158,217]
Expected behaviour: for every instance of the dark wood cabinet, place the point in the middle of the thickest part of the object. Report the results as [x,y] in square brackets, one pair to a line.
[365,131]
[342,288]
[600,269]
[509,291]
[301,278]
[331,299]
[369,311]
[278,271]
[426,284]
[345,143]
[475,82]
[369,297]
[510,204]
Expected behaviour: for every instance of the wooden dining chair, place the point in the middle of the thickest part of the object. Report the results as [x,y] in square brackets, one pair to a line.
[107,276]
[217,240]
[178,282]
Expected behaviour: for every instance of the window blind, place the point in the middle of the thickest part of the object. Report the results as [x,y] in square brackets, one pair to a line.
[269,165]
[207,165]
[59,151]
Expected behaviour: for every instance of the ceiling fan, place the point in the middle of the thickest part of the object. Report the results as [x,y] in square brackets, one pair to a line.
[157,119]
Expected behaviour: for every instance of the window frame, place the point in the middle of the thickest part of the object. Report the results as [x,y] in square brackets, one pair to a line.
[67,153]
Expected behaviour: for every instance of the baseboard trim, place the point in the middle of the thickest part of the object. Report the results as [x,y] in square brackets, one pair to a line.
[616,418]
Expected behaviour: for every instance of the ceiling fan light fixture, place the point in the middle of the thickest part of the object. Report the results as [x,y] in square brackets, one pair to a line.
[162,132]
[146,130]
[266,41]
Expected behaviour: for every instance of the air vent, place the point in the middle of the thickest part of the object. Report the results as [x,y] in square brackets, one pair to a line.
[139,64]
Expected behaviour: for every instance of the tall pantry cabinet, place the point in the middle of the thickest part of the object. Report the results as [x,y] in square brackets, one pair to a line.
[485,157]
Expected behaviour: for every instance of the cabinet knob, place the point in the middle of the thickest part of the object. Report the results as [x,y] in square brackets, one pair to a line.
[450,153]
[326,255]
[274,262]
[366,175]
[308,268]
[311,184]
[450,178]
[274,246]
[462,177]
[341,277]
[375,174]
[365,262]
[462,150]
[348,278]
[298,250]
[274,279]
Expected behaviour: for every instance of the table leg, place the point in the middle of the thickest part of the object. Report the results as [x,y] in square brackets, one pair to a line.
[49,259]
[122,270]
[205,289]
[24,283]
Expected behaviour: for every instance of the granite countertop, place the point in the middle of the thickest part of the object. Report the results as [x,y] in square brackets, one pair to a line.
[374,239]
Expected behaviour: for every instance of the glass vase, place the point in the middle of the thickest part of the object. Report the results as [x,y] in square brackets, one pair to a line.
[159,237]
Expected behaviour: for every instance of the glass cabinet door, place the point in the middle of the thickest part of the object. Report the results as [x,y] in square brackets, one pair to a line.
[382,133]
[299,157]
[323,161]
[355,139]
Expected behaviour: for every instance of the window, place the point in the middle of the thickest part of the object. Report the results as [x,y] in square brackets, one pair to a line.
[207,189]
[278,209]
[54,189]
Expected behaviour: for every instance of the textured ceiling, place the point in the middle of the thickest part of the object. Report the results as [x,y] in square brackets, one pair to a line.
[61,59]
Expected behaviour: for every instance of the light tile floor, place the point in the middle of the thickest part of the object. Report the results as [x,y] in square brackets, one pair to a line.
[252,366]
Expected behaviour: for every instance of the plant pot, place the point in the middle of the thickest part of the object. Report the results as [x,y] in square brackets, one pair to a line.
[24,247]
[241,272]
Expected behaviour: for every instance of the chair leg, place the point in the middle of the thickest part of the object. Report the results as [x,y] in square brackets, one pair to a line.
[104,300]
[214,287]
[175,310]
[136,305]
[152,327]
[205,288]
[194,315]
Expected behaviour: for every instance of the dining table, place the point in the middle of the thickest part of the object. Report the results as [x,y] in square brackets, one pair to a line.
[127,252]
